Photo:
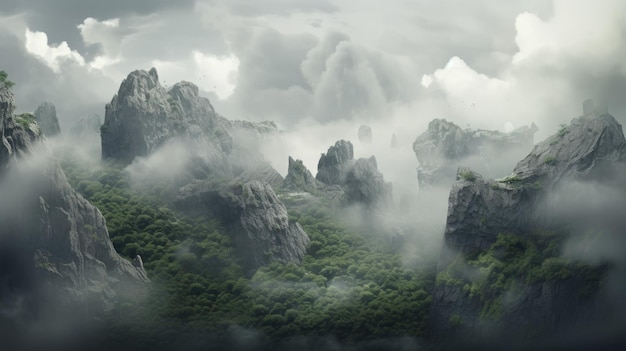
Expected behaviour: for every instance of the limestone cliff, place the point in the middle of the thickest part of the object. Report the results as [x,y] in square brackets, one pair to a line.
[299,178]
[359,181]
[144,115]
[57,259]
[495,224]
[46,116]
[255,217]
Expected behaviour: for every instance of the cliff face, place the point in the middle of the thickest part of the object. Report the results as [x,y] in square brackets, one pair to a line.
[359,181]
[299,178]
[56,256]
[444,146]
[46,116]
[333,165]
[255,217]
[144,115]
[492,223]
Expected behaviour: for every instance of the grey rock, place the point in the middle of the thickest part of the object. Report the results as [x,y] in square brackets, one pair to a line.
[364,184]
[58,257]
[365,134]
[144,115]
[359,181]
[299,178]
[46,116]
[258,221]
[591,148]
[333,165]
[17,133]
[445,146]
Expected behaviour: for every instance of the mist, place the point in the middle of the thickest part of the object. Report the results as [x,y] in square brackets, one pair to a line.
[320,70]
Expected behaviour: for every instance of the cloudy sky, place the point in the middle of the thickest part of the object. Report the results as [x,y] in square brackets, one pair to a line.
[397,63]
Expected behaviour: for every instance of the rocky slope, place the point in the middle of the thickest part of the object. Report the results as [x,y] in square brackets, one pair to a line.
[46,116]
[590,150]
[57,259]
[444,146]
[255,217]
[224,161]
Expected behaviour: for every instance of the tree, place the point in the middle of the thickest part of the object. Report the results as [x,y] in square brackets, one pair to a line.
[4,80]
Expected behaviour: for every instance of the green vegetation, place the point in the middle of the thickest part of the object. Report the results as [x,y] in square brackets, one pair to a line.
[513,180]
[468,175]
[350,284]
[513,265]
[25,119]
[550,161]
[4,80]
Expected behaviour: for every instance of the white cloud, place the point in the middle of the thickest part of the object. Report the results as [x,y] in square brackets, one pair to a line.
[217,74]
[587,30]
[105,33]
[53,56]
[559,61]
[211,73]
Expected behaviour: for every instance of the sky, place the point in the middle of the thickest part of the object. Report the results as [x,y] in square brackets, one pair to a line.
[324,67]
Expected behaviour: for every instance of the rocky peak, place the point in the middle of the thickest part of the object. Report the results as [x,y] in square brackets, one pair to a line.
[298,177]
[7,102]
[46,116]
[365,184]
[360,180]
[441,139]
[332,166]
[579,149]
[140,83]
[144,116]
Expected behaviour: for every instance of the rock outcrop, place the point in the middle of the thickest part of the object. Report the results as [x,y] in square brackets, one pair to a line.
[365,134]
[359,181]
[299,178]
[445,146]
[591,148]
[57,259]
[255,217]
[333,165]
[144,115]
[364,184]
[17,132]
[46,116]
